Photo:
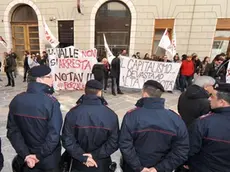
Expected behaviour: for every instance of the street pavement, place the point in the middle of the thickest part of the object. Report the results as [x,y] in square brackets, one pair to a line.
[120,104]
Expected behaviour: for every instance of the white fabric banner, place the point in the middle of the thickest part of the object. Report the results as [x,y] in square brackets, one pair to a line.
[228,73]
[49,36]
[135,72]
[71,67]
[109,54]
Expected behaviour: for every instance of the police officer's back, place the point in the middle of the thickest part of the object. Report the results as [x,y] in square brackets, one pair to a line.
[153,137]
[209,135]
[34,123]
[1,156]
[90,132]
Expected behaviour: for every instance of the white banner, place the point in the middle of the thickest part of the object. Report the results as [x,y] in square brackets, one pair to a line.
[49,36]
[135,72]
[228,73]
[71,67]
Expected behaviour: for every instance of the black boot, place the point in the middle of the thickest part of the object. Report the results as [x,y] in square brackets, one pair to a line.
[113,93]
[7,85]
[119,92]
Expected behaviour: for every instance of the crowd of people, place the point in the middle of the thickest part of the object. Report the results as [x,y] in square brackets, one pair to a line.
[192,66]
[30,60]
[152,138]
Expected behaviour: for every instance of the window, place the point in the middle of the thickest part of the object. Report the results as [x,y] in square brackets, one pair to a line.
[221,43]
[114,20]
[66,33]
[160,26]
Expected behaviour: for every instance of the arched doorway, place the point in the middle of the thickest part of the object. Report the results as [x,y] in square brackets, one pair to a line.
[25,35]
[114,20]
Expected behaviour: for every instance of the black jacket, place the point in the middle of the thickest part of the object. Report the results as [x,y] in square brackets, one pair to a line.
[1,156]
[90,127]
[115,68]
[152,136]
[26,65]
[210,142]
[193,103]
[34,124]
[10,65]
[99,71]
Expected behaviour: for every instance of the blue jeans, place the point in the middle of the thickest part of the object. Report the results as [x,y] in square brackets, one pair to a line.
[185,81]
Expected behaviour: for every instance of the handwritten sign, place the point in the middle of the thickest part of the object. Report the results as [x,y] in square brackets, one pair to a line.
[71,67]
[135,72]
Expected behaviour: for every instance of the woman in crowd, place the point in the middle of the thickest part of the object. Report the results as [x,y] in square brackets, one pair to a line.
[204,63]
[146,57]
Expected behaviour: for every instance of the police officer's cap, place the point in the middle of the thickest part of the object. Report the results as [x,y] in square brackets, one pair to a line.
[223,87]
[154,84]
[94,84]
[40,71]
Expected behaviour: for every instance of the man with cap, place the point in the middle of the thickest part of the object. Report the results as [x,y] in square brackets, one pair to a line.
[34,124]
[90,132]
[209,135]
[152,138]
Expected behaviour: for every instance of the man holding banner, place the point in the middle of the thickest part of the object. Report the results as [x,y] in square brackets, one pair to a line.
[115,74]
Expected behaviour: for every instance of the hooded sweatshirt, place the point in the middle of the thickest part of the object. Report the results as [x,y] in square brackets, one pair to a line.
[193,103]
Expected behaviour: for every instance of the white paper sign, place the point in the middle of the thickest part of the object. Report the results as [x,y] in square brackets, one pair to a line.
[135,72]
[71,67]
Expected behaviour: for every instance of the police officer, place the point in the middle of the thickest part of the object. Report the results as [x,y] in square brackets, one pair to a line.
[34,124]
[209,135]
[152,138]
[90,132]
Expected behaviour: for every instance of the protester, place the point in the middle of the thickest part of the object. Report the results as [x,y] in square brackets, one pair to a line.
[90,132]
[26,65]
[34,124]
[152,138]
[204,64]
[9,67]
[115,74]
[212,69]
[197,63]
[99,71]
[146,57]
[138,55]
[1,156]
[107,69]
[194,102]
[14,56]
[209,135]
[186,73]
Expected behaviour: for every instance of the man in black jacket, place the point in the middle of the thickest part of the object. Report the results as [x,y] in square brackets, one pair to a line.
[99,71]
[209,135]
[152,138]
[90,132]
[26,65]
[115,74]
[10,66]
[194,102]
[34,124]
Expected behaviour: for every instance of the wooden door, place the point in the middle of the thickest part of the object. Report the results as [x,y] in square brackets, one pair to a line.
[25,37]
[19,40]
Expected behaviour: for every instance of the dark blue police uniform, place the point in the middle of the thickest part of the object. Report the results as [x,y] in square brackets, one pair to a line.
[210,141]
[1,156]
[152,136]
[34,124]
[91,127]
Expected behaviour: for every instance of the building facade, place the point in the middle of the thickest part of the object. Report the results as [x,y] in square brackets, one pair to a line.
[202,26]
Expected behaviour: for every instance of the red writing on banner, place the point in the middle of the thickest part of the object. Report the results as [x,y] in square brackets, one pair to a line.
[48,37]
[73,86]
[74,63]
[89,53]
